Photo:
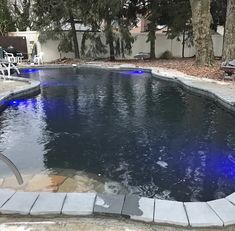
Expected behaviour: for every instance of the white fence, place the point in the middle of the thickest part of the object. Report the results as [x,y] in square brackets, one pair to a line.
[140,45]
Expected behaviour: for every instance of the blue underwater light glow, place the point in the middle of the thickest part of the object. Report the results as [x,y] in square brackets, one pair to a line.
[137,72]
[14,103]
[23,102]
[133,72]
[29,70]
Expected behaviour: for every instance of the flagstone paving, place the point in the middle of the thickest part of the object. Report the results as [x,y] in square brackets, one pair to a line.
[72,181]
[45,183]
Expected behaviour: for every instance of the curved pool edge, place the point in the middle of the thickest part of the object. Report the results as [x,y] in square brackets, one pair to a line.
[217,213]
[223,98]
[32,89]
[200,86]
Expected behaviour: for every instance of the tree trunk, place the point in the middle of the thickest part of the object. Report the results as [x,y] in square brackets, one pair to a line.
[152,45]
[74,35]
[229,37]
[183,43]
[152,39]
[201,20]
[122,49]
[109,38]
[111,51]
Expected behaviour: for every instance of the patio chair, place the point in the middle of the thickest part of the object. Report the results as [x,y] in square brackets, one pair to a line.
[38,59]
[229,69]
[6,67]
[142,55]
[10,57]
[19,57]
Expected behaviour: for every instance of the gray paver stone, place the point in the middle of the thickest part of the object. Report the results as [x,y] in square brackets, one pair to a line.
[139,208]
[224,209]
[48,204]
[5,195]
[109,204]
[79,204]
[231,198]
[201,215]
[170,212]
[19,203]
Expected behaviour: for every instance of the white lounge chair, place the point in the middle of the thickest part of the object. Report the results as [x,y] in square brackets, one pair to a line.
[6,66]
[10,57]
[38,59]
[19,57]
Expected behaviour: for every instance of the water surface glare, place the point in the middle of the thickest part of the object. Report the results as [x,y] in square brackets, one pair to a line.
[154,138]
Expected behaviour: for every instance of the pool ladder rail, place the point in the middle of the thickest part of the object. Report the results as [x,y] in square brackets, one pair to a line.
[13,168]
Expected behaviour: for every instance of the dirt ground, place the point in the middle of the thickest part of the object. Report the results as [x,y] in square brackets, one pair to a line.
[185,65]
[89,224]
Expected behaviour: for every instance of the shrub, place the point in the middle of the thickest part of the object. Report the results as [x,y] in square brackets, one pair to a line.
[166,55]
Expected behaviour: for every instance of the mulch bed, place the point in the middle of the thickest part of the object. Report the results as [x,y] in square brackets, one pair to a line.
[185,65]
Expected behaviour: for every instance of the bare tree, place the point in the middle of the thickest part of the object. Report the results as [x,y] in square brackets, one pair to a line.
[201,20]
[229,37]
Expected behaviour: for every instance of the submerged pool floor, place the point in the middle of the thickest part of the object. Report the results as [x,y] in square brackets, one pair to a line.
[151,137]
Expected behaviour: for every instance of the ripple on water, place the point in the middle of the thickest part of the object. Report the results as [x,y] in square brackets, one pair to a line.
[133,133]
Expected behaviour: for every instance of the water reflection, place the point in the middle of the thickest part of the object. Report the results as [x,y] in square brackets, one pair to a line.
[153,137]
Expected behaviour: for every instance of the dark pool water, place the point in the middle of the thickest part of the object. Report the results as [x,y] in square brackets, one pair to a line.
[154,138]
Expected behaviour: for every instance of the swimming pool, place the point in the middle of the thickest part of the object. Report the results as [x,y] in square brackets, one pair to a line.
[151,136]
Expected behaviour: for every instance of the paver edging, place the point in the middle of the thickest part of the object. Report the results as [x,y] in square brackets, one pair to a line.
[45,210]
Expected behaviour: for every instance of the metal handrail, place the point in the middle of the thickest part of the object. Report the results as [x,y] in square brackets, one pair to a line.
[13,168]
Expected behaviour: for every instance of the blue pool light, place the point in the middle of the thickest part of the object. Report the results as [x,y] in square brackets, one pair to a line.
[14,103]
[133,72]
[137,72]
[25,102]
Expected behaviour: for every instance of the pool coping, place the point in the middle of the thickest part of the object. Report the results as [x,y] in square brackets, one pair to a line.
[217,213]
[31,89]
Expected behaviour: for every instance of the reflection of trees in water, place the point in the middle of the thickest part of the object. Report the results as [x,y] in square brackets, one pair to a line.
[128,96]
[68,116]
[122,127]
